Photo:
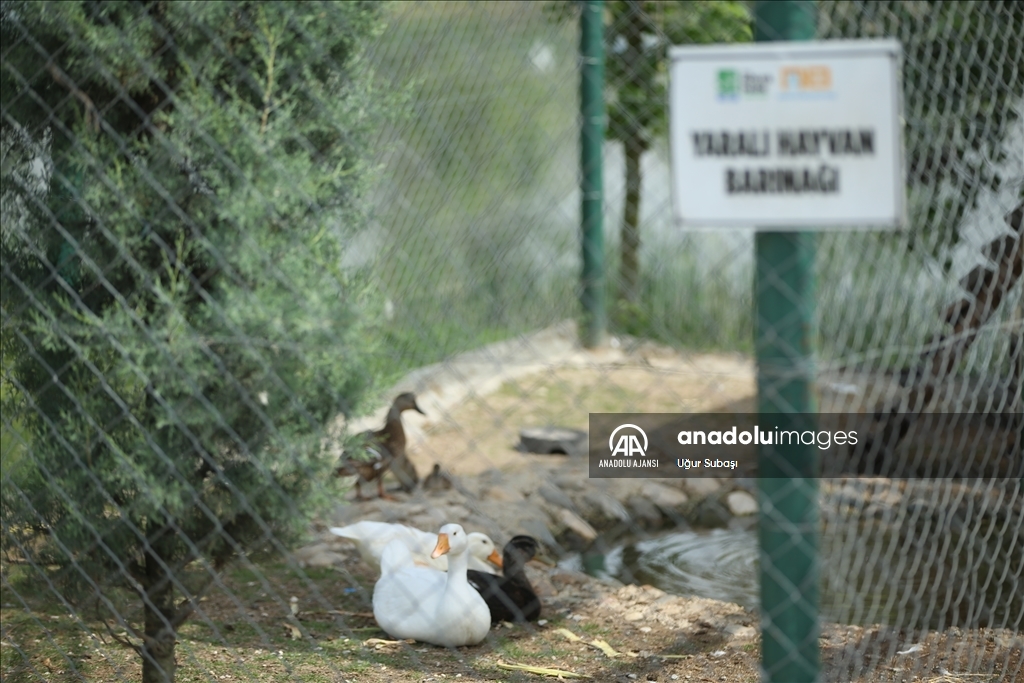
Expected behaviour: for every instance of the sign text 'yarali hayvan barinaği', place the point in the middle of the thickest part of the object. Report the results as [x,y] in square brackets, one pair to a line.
[787,135]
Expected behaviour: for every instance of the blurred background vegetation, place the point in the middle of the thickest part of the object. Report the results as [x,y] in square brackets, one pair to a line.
[475,231]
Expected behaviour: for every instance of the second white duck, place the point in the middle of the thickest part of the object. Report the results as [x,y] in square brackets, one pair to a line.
[372,537]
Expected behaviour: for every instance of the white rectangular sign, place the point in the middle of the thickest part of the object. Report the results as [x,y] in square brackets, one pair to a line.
[787,136]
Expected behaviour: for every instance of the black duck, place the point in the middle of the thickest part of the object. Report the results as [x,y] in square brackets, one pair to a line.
[510,597]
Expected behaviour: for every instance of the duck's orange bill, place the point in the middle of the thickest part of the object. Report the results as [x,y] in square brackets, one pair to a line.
[442,546]
[495,559]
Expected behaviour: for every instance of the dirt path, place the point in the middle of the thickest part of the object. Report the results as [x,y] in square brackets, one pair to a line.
[477,402]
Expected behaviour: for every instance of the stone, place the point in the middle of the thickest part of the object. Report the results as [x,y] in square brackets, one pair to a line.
[576,524]
[629,592]
[643,509]
[609,507]
[703,486]
[741,503]
[318,555]
[633,616]
[555,496]
[710,513]
[650,593]
[741,632]
[541,581]
[665,497]
[573,482]
[560,578]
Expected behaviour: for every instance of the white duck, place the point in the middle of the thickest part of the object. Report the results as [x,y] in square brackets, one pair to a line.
[372,537]
[427,605]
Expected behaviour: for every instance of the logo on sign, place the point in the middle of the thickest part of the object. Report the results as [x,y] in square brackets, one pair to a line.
[628,443]
[728,84]
[806,81]
[733,84]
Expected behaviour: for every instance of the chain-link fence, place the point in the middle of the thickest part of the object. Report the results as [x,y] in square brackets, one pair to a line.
[233,233]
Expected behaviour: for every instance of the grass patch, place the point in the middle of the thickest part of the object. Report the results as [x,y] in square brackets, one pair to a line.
[243,632]
[593,629]
[511,649]
[240,631]
[691,296]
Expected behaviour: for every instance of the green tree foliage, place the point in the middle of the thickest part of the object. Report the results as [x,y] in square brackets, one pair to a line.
[963,87]
[637,36]
[178,178]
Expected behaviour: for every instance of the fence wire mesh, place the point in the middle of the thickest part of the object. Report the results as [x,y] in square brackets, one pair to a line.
[233,233]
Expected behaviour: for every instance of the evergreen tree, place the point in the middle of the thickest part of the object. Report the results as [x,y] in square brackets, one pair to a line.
[178,178]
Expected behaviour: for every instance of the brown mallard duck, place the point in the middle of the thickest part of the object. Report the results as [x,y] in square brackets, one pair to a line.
[382,450]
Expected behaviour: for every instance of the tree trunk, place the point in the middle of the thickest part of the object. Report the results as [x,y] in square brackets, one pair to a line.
[158,665]
[631,132]
[629,266]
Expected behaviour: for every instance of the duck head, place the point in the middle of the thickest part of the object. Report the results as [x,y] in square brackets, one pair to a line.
[407,401]
[482,547]
[519,550]
[451,539]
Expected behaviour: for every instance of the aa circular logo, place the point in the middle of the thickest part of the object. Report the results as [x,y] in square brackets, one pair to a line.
[629,441]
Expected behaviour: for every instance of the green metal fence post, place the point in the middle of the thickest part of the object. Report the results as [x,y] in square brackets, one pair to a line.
[788,524]
[591,185]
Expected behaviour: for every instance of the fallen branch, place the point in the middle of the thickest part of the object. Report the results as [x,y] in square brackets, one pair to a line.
[339,612]
[611,652]
[541,671]
[601,645]
[568,635]
[378,643]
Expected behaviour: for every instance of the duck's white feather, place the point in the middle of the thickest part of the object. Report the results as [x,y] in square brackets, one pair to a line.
[424,604]
[396,555]
[372,537]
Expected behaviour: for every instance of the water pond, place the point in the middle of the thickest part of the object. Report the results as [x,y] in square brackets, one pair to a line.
[869,575]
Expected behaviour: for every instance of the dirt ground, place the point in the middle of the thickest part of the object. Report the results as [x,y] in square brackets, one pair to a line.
[246,630]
